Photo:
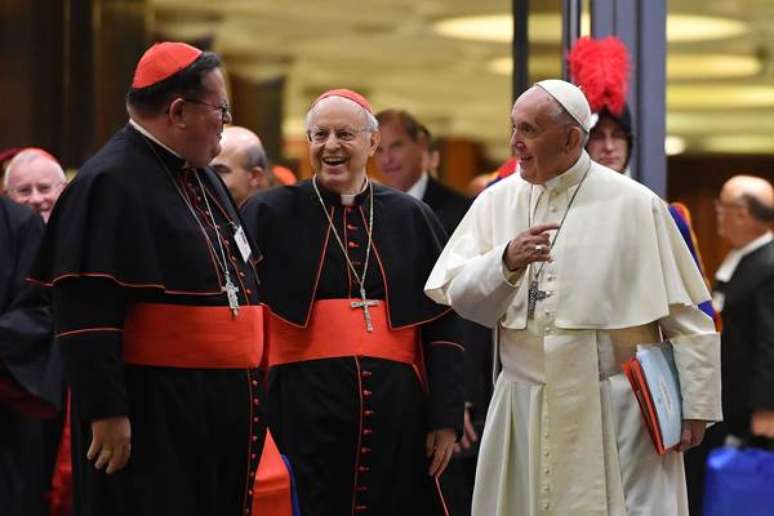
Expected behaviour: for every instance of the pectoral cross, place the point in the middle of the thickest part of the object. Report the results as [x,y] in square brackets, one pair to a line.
[364,304]
[231,294]
[534,294]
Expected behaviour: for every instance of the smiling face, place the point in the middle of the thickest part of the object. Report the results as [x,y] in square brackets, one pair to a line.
[400,159]
[340,144]
[36,181]
[543,140]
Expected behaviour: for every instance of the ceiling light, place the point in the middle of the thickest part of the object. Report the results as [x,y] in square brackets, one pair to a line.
[683,28]
[547,27]
[543,27]
[746,144]
[679,66]
[674,145]
[725,96]
[711,66]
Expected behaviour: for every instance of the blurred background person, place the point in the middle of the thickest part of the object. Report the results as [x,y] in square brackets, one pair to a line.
[31,385]
[407,160]
[744,296]
[35,178]
[243,164]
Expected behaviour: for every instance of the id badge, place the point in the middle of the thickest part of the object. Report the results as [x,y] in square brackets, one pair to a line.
[242,243]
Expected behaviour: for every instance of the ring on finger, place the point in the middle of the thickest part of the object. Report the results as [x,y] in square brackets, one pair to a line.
[538,249]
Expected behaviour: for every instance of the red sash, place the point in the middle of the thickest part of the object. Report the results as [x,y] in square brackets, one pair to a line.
[193,336]
[336,330]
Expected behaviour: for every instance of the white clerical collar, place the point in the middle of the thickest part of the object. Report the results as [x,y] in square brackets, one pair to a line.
[349,199]
[143,131]
[571,177]
[727,268]
[418,189]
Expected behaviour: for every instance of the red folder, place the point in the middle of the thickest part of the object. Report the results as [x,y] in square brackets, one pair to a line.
[633,371]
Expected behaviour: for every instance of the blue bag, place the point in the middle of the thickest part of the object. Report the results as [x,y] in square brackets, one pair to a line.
[739,482]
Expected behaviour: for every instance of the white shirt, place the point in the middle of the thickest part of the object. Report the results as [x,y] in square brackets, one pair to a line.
[732,259]
[418,189]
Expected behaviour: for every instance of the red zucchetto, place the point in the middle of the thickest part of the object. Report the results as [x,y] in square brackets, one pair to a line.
[354,96]
[163,60]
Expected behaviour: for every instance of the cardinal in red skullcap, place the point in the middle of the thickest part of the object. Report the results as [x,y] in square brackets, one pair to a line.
[365,371]
[159,313]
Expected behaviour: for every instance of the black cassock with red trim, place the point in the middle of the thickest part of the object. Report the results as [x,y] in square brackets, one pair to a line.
[120,241]
[353,419]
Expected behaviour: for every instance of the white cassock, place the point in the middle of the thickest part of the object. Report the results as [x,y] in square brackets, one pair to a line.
[564,435]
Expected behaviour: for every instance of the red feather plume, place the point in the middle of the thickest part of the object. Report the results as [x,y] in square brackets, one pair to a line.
[600,68]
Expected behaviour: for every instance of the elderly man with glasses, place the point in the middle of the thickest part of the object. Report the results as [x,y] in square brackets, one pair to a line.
[157,310]
[365,390]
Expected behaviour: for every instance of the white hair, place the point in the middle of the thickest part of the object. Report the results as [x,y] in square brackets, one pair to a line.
[27,156]
[372,125]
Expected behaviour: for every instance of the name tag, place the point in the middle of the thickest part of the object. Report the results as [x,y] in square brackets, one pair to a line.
[242,243]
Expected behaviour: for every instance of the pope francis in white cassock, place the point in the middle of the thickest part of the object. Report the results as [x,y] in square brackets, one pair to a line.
[575,265]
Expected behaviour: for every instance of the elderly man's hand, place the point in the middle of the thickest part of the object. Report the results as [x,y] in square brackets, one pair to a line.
[762,423]
[693,434]
[534,245]
[469,434]
[110,443]
[440,445]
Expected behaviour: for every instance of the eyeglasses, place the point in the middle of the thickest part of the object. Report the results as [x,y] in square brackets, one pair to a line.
[42,188]
[321,135]
[225,111]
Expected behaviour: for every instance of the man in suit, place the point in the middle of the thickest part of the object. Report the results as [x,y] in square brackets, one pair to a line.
[744,295]
[406,161]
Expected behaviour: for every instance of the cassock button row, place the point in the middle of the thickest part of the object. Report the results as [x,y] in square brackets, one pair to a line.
[363,469]
[255,438]
[255,420]
[367,393]
[365,373]
[351,227]
[365,450]
[362,489]
[368,412]
[367,431]
[352,245]
[241,274]
[248,291]
[256,401]
[255,383]
[253,456]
